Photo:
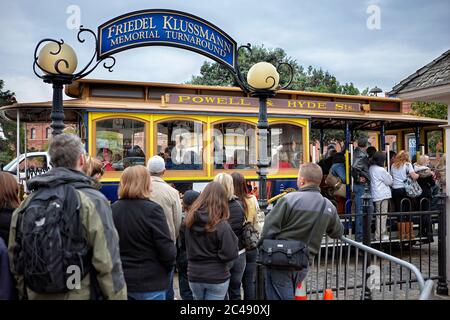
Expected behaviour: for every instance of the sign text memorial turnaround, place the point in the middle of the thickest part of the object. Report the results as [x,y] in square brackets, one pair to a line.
[187,99]
[165,28]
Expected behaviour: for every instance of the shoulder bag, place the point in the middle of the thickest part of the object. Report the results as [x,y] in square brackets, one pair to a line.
[288,254]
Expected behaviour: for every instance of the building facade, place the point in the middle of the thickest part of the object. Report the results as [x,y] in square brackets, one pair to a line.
[37,136]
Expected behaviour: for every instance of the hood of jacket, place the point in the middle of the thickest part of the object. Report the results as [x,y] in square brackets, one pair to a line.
[201,219]
[59,176]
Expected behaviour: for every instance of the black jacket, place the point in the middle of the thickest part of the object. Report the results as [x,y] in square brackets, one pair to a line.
[326,164]
[237,218]
[209,253]
[5,223]
[360,167]
[426,182]
[146,249]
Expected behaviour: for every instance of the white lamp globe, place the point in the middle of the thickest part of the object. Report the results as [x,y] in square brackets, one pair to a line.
[263,75]
[47,60]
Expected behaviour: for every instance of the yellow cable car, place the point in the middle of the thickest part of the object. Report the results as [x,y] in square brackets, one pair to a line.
[204,130]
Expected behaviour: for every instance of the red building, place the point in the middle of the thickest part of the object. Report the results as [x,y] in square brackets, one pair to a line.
[37,136]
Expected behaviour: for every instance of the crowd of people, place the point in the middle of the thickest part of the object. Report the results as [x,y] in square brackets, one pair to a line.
[130,249]
[388,189]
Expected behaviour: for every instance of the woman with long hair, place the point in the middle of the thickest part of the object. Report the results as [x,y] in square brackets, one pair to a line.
[146,248]
[251,207]
[211,244]
[236,220]
[9,201]
[401,168]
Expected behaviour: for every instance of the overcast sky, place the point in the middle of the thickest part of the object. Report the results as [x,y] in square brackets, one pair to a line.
[329,34]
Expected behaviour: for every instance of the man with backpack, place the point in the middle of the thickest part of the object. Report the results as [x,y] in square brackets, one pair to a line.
[293,231]
[63,243]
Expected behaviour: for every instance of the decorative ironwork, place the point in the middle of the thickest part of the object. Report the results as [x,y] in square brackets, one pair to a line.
[59,79]
[242,81]
[67,78]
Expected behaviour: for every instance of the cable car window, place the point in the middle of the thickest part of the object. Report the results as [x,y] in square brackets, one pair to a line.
[435,145]
[234,146]
[286,145]
[120,143]
[180,143]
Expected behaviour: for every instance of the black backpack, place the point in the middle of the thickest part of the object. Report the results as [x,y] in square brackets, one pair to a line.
[50,239]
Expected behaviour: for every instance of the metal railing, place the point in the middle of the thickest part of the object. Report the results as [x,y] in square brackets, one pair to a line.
[354,271]
[416,234]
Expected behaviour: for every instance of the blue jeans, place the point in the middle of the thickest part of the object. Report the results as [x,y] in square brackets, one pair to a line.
[157,295]
[236,271]
[281,284]
[359,189]
[249,277]
[209,291]
[170,295]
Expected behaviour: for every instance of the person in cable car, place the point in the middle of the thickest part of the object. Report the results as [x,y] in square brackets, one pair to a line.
[105,155]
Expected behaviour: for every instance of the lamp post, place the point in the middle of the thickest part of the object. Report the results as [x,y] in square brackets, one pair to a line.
[262,82]
[375,91]
[57,62]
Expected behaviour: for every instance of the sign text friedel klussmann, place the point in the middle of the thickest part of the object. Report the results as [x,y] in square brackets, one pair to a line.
[165,27]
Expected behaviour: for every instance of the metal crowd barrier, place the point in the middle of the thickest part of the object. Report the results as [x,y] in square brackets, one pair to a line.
[416,234]
[354,271]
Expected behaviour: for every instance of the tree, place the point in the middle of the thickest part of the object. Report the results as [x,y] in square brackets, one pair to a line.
[7,128]
[316,80]
[430,109]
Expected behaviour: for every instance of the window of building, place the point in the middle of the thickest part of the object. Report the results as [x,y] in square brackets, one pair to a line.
[180,143]
[47,133]
[234,146]
[120,143]
[286,145]
[33,133]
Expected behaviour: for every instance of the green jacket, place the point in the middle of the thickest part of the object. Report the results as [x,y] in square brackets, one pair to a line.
[293,217]
[102,237]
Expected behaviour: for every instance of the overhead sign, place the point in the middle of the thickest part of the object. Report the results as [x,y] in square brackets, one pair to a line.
[165,28]
[186,99]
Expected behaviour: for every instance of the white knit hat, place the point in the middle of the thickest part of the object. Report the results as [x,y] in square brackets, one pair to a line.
[156,164]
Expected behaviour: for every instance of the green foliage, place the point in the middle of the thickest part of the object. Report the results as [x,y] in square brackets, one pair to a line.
[8,128]
[329,135]
[311,79]
[430,109]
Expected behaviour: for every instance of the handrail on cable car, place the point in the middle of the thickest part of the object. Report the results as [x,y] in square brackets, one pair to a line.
[281,195]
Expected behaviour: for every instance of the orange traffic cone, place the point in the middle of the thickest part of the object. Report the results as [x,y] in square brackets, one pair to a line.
[300,291]
[328,295]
